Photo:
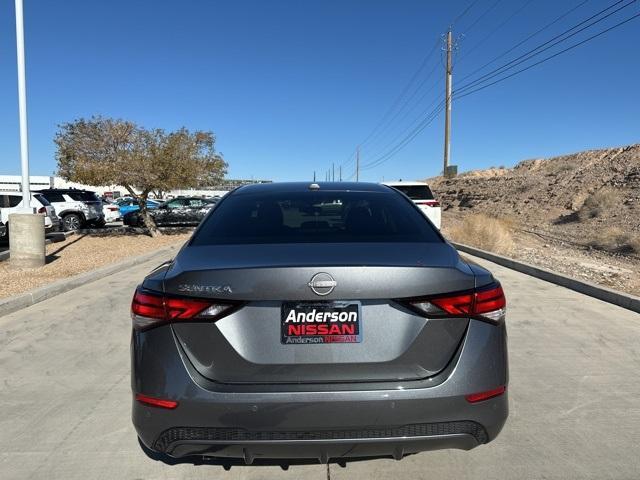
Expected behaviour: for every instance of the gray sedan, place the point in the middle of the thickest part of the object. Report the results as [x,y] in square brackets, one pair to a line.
[317,322]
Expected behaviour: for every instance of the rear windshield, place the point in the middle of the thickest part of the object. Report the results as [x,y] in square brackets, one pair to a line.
[83,196]
[415,192]
[314,217]
[41,199]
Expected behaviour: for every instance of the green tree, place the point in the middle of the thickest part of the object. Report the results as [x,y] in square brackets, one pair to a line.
[106,151]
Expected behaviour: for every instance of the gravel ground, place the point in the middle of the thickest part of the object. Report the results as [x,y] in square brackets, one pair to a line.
[78,254]
[546,250]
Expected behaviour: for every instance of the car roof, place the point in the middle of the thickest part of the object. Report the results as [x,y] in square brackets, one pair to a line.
[281,187]
[16,194]
[63,190]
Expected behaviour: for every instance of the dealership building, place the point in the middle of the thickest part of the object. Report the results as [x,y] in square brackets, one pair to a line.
[12,183]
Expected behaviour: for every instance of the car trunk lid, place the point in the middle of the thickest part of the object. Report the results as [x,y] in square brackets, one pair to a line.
[247,346]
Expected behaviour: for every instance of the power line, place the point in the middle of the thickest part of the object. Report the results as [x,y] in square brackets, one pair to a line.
[402,93]
[470,87]
[433,115]
[538,50]
[484,14]
[464,12]
[494,30]
[407,87]
[549,57]
[529,37]
[411,109]
[417,130]
[412,125]
[399,98]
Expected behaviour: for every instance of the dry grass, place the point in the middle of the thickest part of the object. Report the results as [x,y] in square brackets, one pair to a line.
[599,202]
[616,240]
[488,233]
[557,167]
[80,254]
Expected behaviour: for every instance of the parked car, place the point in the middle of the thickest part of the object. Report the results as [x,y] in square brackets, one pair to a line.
[77,208]
[422,196]
[179,212]
[11,202]
[128,205]
[307,332]
[110,210]
[3,230]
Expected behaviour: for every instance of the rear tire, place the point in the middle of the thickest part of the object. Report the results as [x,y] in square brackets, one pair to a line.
[71,222]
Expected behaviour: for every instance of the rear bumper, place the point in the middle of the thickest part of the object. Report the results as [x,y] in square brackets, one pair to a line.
[185,444]
[359,421]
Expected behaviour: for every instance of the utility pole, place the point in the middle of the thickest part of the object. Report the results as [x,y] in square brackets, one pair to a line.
[333,172]
[314,176]
[447,98]
[358,163]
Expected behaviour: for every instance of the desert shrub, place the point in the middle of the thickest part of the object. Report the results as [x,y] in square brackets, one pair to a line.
[561,167]
[615,240]
[599,202]
[487,233]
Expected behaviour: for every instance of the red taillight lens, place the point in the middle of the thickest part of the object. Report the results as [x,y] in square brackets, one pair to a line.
[479,397]
[156,402]
[489,300]
[146,305]
[150,309]
[486,303]
[459,304]
[42,210]
[184,308]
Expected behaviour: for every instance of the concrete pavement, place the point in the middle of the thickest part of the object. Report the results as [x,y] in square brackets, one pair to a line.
[574,393]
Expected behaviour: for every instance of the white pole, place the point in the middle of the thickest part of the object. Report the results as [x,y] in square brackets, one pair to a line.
[22,103]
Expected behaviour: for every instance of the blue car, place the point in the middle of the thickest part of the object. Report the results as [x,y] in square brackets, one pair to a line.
[128,205]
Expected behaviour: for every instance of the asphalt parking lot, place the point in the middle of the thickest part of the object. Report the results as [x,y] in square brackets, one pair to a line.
[574,394]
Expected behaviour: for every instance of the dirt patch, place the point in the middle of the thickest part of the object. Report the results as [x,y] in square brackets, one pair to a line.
[576,214]
[78,254]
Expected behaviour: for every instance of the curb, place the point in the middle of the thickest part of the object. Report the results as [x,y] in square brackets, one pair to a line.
[624,300]
[23,300]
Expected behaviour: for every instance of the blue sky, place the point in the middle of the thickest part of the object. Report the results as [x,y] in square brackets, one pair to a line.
[289,87]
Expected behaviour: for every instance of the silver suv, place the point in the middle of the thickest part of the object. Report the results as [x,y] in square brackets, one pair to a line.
[77,208]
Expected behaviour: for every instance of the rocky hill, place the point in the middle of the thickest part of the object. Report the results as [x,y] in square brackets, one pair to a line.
[583,208]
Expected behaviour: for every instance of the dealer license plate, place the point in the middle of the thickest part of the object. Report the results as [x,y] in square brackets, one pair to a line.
[322,322]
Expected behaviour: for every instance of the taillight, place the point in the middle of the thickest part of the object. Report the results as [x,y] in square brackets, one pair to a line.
[428,203]
[42,210]
[486,303]
[150,309]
